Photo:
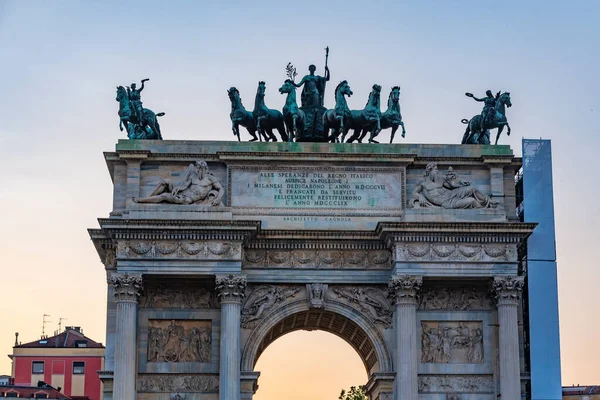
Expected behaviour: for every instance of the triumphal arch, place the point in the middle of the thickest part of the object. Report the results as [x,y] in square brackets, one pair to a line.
[408,252]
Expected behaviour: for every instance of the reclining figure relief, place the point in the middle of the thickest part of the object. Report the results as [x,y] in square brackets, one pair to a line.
[198,186]
[447,192]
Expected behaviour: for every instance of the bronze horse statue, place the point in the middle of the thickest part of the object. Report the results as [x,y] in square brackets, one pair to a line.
[240,116]
[293,116]
[368,118]
[267,119]
[147,128]
[336,119]
[475,134]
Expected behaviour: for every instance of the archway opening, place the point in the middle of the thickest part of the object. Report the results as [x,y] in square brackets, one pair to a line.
[305,364]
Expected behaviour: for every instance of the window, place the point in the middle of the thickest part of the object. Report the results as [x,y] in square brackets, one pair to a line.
[12,394]
[78,367]
[37,367]
[81,343]
[41,396]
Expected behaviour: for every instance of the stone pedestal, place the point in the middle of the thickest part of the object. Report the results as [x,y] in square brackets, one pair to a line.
[406,289]
[230,290]
[508,290]
[127,289]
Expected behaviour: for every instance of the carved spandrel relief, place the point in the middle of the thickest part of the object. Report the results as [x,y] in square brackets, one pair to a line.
[452,342]
[177,341]
[371,301]
[461,252]
[209,250]
[182,297]
[455,299]
[456,384]
[263,299]
[371,259]
[168,383]
[437,191]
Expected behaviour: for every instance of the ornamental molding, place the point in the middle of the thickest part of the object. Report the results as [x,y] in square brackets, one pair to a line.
[461,252]
[405,289]
[508,289]
[231,288]
[318,258]
[127,288]
[202,250]
[460,298]
[264,299]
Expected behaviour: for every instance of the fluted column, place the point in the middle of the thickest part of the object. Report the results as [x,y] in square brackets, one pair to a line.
[127,289]
[230,289]
[405,289]
[508,290]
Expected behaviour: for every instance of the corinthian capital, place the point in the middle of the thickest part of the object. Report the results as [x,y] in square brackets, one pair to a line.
[405,288]
[508,289]
[231,288]
[127,287]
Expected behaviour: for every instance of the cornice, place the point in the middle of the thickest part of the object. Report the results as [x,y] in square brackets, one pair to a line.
[288,156]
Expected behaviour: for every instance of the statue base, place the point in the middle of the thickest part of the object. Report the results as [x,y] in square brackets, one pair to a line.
[313,125]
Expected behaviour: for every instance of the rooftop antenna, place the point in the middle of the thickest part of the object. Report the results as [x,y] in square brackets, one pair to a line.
[60,320]
[45,320]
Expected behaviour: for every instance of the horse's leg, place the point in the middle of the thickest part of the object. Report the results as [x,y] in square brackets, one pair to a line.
[281,128]
[403,129]
[500,129]
[467,134]
[235,127]
[394,129]
[292,134]
[508,129]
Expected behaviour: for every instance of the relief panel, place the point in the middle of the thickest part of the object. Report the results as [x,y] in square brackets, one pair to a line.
[176,341]
[452,342]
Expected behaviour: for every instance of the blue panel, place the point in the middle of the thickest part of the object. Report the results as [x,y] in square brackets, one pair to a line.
[541,271]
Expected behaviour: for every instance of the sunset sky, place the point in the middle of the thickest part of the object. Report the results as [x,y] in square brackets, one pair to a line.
[61,61]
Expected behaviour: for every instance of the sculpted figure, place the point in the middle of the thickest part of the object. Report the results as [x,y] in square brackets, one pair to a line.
[447,192]
[262,299]
[316,294]
[493,116]
[135,97]
[475,353]
[314,87]
[198,186]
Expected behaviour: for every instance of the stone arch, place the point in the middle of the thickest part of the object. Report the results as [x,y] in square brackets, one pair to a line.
[336,317]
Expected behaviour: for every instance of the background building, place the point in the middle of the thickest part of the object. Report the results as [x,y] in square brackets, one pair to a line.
[68,361]
[581,393]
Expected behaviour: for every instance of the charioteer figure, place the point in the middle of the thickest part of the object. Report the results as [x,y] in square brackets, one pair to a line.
[314,87]
[135,97]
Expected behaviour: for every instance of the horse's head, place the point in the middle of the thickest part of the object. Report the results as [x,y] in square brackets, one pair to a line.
[504,99]
[121,93]
[376,89]
[287,87]
[233,93]
[260,91]
[395,93]
[344,89]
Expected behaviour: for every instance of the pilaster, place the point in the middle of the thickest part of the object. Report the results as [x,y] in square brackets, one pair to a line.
[508,291]
[231,291]
[406,290]
[127,289]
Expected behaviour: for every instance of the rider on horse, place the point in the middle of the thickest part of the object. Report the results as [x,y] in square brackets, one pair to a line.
[489,108]
[135,97]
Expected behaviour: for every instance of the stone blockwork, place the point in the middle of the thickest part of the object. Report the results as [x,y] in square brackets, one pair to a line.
[335,237]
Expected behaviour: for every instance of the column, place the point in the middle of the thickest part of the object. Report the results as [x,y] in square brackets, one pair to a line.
[127,289]
[230,290]
[406,289]
[508,290]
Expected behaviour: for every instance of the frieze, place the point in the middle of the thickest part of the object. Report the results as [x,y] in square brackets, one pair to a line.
[178,250]
[456,384]
[489,252]
[262,300]
[176,341]
[182,297]
[308,258]
[373,302]
[167,383]
[452,342]
[455,299]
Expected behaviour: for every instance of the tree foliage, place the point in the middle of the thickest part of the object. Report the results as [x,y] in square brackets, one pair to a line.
[355,393]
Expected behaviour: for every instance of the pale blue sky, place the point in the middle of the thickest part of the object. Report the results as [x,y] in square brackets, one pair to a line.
[61,61]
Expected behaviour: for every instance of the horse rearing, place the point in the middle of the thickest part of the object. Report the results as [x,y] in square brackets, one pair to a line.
[335,120]
[147,128]
[267,119]
[240,116]
[293,116]
[369,118]
[474,134]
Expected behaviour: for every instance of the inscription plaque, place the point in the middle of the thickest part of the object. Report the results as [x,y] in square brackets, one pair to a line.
[317,188]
